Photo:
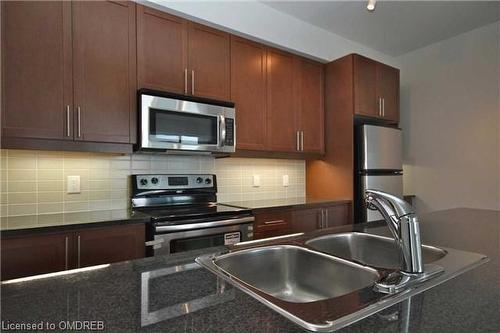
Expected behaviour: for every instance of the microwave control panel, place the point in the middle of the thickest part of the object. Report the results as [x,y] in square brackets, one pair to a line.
[229,132]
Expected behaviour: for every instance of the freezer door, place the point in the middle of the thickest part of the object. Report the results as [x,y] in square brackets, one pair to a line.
[381,148]
[388,183]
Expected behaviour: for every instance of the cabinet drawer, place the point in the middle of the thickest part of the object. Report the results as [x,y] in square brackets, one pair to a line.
[269,221]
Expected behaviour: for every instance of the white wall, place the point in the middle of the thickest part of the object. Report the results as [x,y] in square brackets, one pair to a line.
[451,121]
[254,20]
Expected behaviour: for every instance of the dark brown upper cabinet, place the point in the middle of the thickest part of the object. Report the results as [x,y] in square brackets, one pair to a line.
[248,92]
[104,70]
[37,65]
[311,109]
[388,91]
[161,51]
[278,98]
[209,62]
[179,56]
[376,89]
[69,74]
[282,120]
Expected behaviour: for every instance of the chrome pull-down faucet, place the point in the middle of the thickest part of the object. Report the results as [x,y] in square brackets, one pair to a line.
[404,226]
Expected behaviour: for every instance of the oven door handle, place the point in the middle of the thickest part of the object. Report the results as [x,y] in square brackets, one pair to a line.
[202,225]
[154,242]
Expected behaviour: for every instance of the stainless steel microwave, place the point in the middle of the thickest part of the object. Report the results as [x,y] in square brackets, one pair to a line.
[176,122]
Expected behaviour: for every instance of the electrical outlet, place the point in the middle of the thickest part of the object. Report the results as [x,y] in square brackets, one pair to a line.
[256,180]
[286,180]
[73,184]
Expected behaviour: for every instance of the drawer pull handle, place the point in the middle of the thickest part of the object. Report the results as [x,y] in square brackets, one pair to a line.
[274,222]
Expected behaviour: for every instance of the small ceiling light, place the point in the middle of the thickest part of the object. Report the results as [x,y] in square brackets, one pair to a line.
[371,5]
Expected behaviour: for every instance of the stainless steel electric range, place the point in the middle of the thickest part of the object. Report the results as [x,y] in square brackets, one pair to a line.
[185,214]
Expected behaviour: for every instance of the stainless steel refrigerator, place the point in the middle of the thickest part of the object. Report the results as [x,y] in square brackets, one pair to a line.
[378,165]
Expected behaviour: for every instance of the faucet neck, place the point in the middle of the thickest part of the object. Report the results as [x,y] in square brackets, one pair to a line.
[403,224]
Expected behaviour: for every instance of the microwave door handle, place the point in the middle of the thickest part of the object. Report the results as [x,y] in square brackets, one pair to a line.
[222,130]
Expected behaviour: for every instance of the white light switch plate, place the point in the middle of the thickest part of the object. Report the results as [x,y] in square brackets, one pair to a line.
[73,184]
[256,180]
[286,180]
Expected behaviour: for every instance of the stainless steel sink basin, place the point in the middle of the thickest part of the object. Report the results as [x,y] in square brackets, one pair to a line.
[369,249]
[295,274]
[322,292]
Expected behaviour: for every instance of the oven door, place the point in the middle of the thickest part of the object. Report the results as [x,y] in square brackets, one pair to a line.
[174,124]
[194,239]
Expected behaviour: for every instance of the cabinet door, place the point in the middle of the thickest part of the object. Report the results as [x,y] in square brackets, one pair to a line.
[248,92]
[365,87]
[282,132]
[338,215]
[306,220]
[388,90]
[161,51]
[311,106]
[36,53]
[104,70]
[109,244]
[209,62]
[35,254]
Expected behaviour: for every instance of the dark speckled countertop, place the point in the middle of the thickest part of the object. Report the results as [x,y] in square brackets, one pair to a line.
[88,220]
[285,203]
[171,294]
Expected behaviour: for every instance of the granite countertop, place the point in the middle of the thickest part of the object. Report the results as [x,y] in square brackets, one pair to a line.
[66,221]
[172,294]
[284,203]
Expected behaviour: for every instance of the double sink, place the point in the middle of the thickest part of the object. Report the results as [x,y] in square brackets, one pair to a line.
[327,282]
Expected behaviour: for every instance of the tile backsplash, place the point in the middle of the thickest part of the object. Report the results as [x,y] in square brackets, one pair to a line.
[33,183]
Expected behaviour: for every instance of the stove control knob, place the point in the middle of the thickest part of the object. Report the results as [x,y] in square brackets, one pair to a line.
[154,180]
[208,181]
[199,180]
[144,181]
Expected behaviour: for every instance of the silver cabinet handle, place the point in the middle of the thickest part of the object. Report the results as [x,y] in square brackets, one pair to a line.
[79,251]
[185,81]
[380,106]
[222,130]
[66,252]
[192,82]
[68,131]
[326,218]
[383,107]
[301,140]
[274,222]
[298,140]
[320,219]
[79,122]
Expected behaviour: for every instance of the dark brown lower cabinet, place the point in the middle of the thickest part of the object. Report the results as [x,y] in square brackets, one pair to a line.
[41,253]
[35,254]
[277,222]
[305,220]
[110,244]
[337,215]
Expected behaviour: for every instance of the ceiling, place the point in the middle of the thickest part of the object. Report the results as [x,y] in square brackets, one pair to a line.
[395,27]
